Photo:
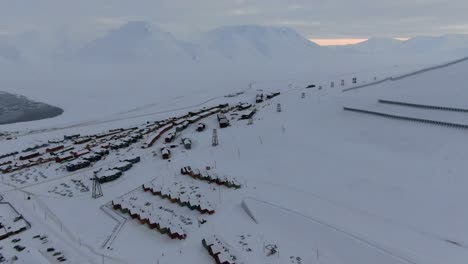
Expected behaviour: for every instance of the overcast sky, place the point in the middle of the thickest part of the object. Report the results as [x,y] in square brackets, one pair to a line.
[312,18]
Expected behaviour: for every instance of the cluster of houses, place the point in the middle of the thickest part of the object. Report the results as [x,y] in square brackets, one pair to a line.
[179,124]
[183,195]
[160,130]
[211,177]
[218,250]
[165,221]
[79,151]
[82,159]
[76,146]
[10,166]
[116,171]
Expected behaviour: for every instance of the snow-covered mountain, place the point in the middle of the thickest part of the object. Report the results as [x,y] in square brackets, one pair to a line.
[447,43]
[374,45]
[138,41]
[234,42]
[135,41]
[420,45]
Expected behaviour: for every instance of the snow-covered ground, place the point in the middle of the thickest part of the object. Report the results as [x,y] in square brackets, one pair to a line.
[318,184]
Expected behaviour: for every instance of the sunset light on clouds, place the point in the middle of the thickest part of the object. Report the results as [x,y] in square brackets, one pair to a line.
[341,41]
[337,41]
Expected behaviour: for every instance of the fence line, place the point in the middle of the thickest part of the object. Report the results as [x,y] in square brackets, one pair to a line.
[403,76]
[445,108]
[414,119]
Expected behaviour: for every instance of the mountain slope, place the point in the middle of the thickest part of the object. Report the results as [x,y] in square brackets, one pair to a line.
[135,41]
[235,42]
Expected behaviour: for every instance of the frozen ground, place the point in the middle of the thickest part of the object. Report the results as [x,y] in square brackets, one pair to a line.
[322,185]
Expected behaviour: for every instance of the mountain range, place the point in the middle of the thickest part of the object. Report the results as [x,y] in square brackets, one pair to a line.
[138,41]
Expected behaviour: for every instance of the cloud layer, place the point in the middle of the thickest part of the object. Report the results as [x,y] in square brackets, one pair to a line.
[312,18]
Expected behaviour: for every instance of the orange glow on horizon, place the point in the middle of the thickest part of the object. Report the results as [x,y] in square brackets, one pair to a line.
[341,41]
[337,42]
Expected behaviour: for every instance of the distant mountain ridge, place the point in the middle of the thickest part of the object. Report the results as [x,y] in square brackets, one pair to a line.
[139,41]
[457,44]
[259,41]
[134,41]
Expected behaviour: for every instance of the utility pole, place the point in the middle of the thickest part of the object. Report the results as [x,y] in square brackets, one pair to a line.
[278,108]
[215,142]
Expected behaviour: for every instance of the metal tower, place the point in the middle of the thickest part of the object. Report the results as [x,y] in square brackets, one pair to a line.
[97,190]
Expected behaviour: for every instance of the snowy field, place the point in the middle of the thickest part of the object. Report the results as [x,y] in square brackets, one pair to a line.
[317,184]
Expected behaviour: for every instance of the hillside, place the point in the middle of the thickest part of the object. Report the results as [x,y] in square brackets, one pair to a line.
[257,42]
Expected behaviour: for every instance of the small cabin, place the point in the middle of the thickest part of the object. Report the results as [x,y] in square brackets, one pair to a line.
[166,153]
[223,123]
[170,137]
[30,156]
[77,165]
[272,95]
[221,116]
[108,176]
[80,153]
[133,160]
[80,141]
[201,127]
[122,166]
[101,151]
[259,98]
[64,157]
[129,140]
[92,157]
[187,143]
[249,115]
[243,106]
[69,137]
[186,170]
[55,149]
[119,145]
